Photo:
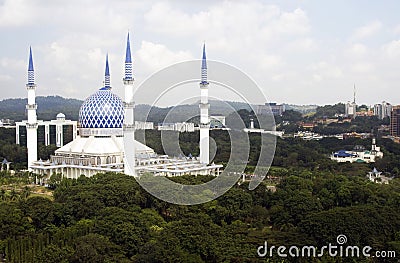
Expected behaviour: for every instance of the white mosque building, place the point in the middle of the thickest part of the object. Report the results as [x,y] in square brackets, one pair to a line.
[105,123]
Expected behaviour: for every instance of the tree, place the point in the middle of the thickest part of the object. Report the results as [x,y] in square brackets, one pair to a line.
[95,248]
[55,254]
[54,180]
[40,210]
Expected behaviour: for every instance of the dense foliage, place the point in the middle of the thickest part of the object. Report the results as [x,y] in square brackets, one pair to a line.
[109,218]
[48,107]
[329,111]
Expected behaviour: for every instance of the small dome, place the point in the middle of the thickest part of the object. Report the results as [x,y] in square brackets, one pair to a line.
[103,109]
[61,116]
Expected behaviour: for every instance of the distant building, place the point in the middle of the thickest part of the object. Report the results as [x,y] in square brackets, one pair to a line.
[144,125]
[377,177]
[308,135]
[217,121]
[365,112]
[6,122]
[358,155]
[364,135]
[178,126]
[382,110]
[308,125]
[395,121]
[276,109]
[350,109]
[58,132]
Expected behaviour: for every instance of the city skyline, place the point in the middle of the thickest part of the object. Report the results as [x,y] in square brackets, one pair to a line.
[298,53]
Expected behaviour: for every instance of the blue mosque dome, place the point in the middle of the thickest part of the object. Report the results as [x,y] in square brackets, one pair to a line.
[103,109]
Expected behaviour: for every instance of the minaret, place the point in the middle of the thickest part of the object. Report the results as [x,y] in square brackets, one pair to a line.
[129,122]
[31,125]
[107,82]
[354,104]
[204,118]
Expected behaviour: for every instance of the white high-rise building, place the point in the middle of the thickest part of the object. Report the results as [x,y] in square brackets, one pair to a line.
[382,110]
[351,107]
[57,132]
[204,117]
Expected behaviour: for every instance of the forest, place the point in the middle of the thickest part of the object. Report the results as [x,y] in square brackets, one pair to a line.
[110,218]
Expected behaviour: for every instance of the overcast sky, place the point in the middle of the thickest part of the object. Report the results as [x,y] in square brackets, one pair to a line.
[301,52]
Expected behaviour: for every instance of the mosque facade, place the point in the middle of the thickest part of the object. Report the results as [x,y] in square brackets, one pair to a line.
[106,123]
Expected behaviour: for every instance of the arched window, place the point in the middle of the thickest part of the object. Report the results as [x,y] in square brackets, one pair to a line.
[114,159]
[98,160]
[108,160]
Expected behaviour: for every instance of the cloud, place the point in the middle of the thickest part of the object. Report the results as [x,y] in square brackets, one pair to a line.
[15,64]
[15,13]
[323,70]
[396,30]
[229,25]
[392,49]
[368,30]
[362,67]
[295,22]
[281,46]
[157,56]
[4,78]
[358,49]
[305,44]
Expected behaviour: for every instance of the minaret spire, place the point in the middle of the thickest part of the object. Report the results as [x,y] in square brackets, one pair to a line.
[31,72]
[107,75]
[204,66]
[204,117]
[354,93]
[128,60]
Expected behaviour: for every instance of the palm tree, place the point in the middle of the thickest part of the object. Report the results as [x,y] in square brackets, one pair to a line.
[26,192]
[2,195]
[14,196]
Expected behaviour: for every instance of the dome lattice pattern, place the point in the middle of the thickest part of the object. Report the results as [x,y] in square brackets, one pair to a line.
[103,109]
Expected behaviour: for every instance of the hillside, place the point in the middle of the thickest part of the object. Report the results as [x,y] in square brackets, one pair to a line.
[50,106]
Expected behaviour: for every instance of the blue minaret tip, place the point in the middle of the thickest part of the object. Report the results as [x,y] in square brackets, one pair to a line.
[107,84]
[30,66]
[204,67]
[204,60]
[107,73]
[128,57]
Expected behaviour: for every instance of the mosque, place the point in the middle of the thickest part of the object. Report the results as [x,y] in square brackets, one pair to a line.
[105,123]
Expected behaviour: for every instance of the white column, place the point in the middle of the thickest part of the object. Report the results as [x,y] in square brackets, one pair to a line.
[46,134]
[31,126]
[204,125]
[129,129]
[59,135]
[17,133]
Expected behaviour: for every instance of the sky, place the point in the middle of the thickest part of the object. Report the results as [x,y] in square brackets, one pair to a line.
[299,52]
